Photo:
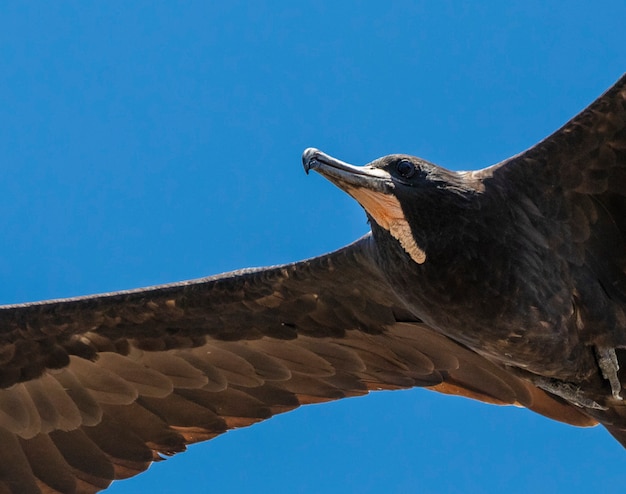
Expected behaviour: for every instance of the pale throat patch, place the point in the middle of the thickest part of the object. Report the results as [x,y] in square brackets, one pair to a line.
[387,212]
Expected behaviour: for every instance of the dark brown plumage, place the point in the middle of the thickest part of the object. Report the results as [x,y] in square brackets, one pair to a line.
[507,285]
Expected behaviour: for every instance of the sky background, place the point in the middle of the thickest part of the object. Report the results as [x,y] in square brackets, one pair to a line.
[161,141]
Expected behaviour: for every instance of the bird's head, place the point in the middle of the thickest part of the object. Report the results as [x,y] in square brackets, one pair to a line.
[407,197]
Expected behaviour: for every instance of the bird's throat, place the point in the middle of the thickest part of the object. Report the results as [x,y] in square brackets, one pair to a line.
[386,211]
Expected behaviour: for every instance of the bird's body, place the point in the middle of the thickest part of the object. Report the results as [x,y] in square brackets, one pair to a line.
[491,280]
[506,285]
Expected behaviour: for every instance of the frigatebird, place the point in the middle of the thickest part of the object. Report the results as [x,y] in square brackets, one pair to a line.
[506,285]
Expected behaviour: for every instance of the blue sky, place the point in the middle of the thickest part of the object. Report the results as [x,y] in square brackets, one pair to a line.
[158,142]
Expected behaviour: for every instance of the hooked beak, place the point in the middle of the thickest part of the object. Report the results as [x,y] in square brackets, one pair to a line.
[344,175]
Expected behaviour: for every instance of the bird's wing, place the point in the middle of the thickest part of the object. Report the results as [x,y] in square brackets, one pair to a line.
[576,180]
[96,388]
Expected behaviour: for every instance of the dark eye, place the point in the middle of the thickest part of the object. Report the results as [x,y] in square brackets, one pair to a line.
[405,168]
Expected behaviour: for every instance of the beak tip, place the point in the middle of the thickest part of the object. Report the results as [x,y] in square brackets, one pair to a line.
[309,158]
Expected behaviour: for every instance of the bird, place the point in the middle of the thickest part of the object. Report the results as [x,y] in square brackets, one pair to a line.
[505,285]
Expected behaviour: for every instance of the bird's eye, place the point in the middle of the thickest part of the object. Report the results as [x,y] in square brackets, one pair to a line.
[405,168]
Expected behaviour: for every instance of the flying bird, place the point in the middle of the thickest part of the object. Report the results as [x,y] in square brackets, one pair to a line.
[505,285]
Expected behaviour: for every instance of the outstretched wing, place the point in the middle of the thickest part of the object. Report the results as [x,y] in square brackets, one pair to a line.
[96,388]
[574,184]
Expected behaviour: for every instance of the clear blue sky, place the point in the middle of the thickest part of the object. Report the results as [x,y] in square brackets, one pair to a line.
[162,141]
